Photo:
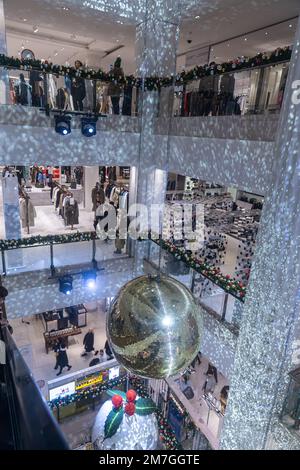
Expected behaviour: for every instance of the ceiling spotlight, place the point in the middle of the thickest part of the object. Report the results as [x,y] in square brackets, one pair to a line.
[55,53]
[197,17]
[25,19]
[245,39]
[266,33]
[89,279]
[66,285]
[65,8]
[89,126]
[63,125]
[35,29]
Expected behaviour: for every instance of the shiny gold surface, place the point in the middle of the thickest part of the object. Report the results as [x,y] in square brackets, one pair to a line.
[154,327]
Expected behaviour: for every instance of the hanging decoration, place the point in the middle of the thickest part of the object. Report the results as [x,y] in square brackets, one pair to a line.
[154,326]
[150,83]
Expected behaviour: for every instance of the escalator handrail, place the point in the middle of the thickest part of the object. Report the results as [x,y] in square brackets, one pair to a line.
[35,426]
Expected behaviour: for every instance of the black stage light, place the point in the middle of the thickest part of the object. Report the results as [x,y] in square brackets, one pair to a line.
[63,125]
[66,285]
[89,279]
[89,126]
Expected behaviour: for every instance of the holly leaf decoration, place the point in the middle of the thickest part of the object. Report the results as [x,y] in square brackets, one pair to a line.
[111,393]
[113,421]
[144,406]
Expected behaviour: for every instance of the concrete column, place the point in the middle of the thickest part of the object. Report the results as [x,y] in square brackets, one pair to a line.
[91,177]
[271,317]
[4,80]
[11,207]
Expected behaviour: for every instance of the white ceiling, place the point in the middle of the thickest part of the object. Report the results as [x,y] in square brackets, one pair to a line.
[87,34]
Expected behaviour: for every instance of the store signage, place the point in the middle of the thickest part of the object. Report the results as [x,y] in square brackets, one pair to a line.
[91,380]
[114,372]
[62,391]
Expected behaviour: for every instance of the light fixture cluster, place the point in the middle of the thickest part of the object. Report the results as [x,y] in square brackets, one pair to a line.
[63,125]
[66,282]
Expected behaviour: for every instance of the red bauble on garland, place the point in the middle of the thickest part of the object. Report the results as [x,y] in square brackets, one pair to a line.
[130,409]
[117,401]
[131,395]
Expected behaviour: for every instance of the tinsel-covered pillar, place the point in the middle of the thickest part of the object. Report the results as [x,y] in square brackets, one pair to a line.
[4,80]
[156,47]
[271,312]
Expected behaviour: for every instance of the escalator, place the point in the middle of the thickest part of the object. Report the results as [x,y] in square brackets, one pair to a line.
[26,422]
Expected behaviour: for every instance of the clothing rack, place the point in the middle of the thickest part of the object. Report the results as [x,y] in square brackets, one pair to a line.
[62,187]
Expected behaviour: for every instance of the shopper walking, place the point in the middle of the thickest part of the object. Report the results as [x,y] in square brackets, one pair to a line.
[102,356]
[114,88]
[62,359]
[78,89]
[88,342]
[108,351]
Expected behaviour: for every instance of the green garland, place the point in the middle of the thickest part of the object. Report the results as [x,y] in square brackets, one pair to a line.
[166,433]
[39,240]
[154,82]
[233,287]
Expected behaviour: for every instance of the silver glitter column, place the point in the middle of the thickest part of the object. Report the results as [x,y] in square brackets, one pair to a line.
[156,47]
[4,80]
[271,312]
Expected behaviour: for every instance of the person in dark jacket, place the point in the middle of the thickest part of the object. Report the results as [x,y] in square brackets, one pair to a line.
[62,358]
[78,89]
[114,88]
[88,342]
[108,351]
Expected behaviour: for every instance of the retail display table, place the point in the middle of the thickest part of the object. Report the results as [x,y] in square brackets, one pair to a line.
[51,337]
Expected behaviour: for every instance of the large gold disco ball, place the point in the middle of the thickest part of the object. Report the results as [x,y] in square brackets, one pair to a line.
[154,327]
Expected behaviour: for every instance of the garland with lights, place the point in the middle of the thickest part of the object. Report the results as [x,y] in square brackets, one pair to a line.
[166,433]
[236,288]
[39,240]
[213,273]
[154,82]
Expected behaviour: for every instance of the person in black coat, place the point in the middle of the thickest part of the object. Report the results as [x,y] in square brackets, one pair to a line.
[62,358]
[78,89]
[108,351]
[88,342]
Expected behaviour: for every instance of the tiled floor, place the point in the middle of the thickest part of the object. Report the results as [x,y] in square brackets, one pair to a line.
[29,339]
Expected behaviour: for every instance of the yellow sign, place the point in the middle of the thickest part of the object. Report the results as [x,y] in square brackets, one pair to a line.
[89,382]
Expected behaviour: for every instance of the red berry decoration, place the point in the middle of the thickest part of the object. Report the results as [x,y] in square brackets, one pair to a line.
[131,395]
[117,401]
[130,409]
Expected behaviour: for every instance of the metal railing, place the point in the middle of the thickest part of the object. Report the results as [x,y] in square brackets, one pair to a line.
[33,424]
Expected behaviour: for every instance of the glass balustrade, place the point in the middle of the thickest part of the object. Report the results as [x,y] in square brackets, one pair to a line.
[33,89]
[245,92]
[258,90]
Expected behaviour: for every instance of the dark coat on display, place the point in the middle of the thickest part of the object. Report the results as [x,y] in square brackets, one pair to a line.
[88,341]
[62,358]
[71,213]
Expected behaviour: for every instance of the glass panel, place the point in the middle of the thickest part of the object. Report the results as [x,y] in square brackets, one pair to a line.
[27,259]
[69,254]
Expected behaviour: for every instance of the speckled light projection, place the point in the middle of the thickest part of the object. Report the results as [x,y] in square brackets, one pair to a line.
[271,313]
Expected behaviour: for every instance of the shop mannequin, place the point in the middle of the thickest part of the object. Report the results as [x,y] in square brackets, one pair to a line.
[98,196]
